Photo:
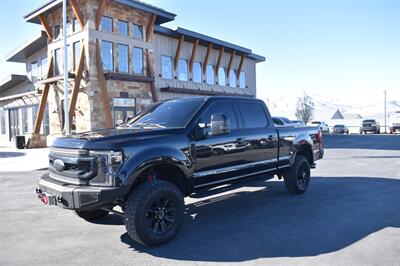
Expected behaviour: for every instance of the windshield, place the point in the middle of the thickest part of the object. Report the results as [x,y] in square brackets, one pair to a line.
[369,121]
[286,120]
[339,126]
[316,122]
[169,114]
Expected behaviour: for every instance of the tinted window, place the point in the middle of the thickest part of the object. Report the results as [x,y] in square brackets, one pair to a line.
[286,120]
[253,114]
[220,108]
[277,121]
[172,113]
[369,121]
[76,50]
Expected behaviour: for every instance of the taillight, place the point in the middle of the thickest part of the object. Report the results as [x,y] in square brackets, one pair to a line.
[319,136]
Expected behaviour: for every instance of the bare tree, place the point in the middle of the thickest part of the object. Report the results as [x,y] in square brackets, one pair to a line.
[304,108]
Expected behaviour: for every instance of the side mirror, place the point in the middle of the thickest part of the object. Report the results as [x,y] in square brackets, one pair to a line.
[220,124]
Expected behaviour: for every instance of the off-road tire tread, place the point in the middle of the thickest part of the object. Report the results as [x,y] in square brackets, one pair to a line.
[290,175]
[135,200]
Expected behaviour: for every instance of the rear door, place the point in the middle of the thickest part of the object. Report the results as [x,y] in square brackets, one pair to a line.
[259,135]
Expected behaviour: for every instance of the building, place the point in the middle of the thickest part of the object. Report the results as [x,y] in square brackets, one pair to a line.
[121,59]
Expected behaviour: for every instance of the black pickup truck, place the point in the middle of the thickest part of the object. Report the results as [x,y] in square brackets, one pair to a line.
[171,150]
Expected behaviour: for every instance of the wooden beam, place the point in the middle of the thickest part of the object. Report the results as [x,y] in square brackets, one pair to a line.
[150,73]
[178,51]
[77,13]
[221,52]
[240,66]
[193,57]
[150,28]
[77,84]
[206,58]
[43,98]
[228,69]
[46,26]
[99,13]
[103,88]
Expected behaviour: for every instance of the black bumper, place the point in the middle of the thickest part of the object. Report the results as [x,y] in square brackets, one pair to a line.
[79,197]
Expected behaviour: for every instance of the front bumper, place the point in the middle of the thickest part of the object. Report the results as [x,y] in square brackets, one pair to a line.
[77,197]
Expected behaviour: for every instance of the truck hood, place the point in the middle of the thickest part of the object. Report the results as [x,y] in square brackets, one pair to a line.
[111,138]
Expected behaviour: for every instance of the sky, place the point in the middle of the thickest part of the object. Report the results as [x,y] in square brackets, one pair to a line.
[333,48]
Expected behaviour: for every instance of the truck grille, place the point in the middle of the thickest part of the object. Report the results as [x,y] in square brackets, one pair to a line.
[77,166]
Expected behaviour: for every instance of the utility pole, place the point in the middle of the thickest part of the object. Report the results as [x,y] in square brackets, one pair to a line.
[385,109]
[66,119]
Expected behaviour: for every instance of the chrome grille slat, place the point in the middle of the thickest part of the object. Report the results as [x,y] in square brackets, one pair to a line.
[68,152]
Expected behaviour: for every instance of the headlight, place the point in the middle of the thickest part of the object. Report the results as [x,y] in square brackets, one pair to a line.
[108,164]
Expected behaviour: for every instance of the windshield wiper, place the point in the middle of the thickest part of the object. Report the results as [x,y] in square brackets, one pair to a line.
[148,124]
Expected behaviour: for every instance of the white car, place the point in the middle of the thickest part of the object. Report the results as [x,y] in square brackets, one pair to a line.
[322,126]
[282,121]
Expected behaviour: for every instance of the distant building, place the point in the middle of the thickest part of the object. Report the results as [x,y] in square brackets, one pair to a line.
[120,60]
[339,115]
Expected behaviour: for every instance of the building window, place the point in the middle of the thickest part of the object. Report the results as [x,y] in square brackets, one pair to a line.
[107,55]
[57,62]
[137,31]
[69,27]
[76,46]
[43,67]
[123,28]
[137,60]
[34,72]
[75,25]
[221,76]
[123,58]
[166,63]
[56,32]
[196,72]
[2,122]
[210,74]
[242,80]
[106,24]
[182,70]
[232,78]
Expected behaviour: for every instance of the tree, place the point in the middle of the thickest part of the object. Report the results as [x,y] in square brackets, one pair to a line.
[304,108]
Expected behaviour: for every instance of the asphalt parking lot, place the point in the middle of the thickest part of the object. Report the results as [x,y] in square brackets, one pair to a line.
[349,216]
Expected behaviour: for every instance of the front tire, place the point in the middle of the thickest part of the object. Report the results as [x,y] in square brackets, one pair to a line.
[154,212]
[297,178]
[92,215]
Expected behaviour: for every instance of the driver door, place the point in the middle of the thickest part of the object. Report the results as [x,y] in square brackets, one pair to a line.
[217,156]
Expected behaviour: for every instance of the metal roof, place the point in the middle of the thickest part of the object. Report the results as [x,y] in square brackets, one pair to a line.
[162,15]
[27,49]
[11,81]
[205,40]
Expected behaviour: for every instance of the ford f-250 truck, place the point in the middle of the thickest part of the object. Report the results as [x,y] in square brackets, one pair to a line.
[171,150]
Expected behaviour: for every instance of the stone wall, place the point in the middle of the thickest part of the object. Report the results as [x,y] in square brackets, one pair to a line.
[89,112]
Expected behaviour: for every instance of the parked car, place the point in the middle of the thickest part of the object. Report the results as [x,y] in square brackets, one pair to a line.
[299,123]
[151,163]
[322,125]
[282,121]
[340,129]
[395,123]
[370,125]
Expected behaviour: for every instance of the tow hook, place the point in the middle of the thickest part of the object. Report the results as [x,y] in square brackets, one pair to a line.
[47,199]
